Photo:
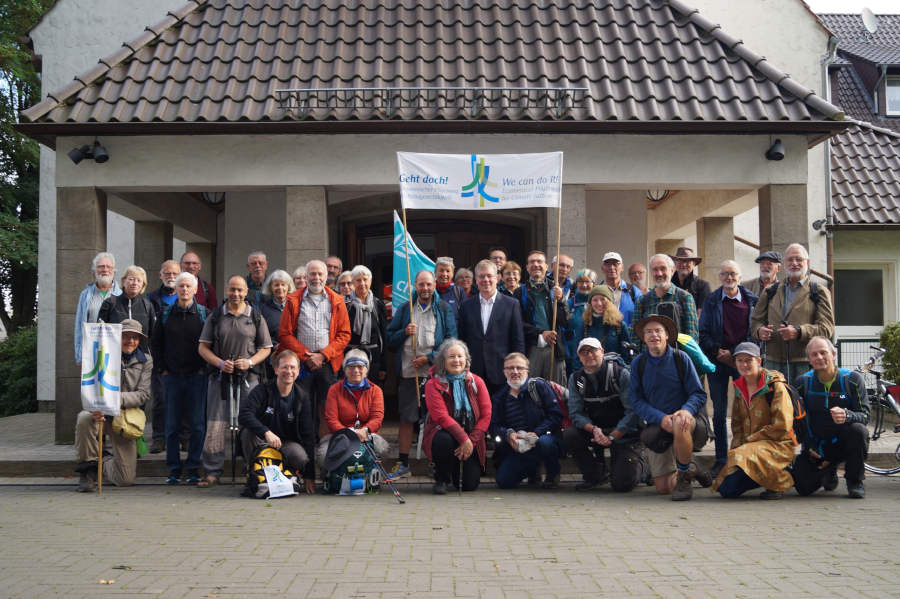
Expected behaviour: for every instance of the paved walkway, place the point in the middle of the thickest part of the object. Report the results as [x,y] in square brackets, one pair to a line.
[157,541]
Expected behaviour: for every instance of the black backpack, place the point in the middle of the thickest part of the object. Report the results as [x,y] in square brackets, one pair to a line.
[801,422]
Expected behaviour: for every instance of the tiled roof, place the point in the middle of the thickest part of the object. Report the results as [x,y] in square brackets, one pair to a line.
[849,28]
[873,52]
[639,60]
[865,176]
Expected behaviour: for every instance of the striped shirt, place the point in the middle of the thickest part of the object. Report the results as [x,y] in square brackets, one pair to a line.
[314,321]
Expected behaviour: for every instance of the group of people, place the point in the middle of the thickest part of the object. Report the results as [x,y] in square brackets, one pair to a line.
[537,366]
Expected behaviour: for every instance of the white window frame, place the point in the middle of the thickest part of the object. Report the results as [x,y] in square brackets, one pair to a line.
[889,296]
[891,81]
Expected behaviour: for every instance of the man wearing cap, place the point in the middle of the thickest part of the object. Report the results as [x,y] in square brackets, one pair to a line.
[637,274]
[789,314]
[666,392]
[279,414]
[724,323]
[602,418]
[769,266]
[667,299]
[684,277]
[625,295]
[120,468]
[762,419]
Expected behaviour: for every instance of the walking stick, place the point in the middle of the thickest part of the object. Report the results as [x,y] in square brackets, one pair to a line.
[460,476]
[384,475]
[555,285]
[100,461]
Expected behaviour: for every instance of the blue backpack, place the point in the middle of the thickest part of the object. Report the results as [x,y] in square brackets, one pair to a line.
[167,310]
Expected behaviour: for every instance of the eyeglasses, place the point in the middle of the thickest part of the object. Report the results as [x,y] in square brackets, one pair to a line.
[354,366]
[516,368]
[729,275]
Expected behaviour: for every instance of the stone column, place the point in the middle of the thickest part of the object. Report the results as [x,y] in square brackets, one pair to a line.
[152,246]
[715,243]
[573,238]
[306,220]
[667,246]
[80,234]
[207,253]
[783,217]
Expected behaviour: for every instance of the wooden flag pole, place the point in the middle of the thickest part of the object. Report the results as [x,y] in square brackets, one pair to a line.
[409,283]
[100,460]
[555,283]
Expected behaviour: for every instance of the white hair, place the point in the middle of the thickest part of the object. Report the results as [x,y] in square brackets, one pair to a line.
[186,275]
[799,247]
[730,263]
[279,275]
[100,257]
[360,271]
[443,260]
[256,253]
[665,258]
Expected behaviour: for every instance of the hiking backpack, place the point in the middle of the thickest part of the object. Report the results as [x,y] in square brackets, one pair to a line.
[559,392]
[257,485]
[357,475]
[167,311]
[800,432]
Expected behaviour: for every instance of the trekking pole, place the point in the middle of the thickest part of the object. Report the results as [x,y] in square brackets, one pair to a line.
[460,477]
[100,461]
[787,355]
[384,474]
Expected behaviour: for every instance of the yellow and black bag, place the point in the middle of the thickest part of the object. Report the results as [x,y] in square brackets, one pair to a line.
[256,473]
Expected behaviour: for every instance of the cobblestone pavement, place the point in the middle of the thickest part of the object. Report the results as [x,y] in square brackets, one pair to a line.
[159,541]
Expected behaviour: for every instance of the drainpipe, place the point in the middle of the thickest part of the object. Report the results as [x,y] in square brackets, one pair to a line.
[829,217]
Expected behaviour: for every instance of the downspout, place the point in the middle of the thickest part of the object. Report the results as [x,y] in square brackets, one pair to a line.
[829,217]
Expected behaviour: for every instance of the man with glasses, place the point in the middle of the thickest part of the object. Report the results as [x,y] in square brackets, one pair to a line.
[258,265]
[625,295]
[525,421]
[103,268]
[791,313]
[491,324]
[684,277]
[206,293]
[536,297]
[724,324]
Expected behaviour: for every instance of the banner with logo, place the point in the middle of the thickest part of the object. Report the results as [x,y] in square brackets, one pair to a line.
[480,181]
[417,261]
[101,367]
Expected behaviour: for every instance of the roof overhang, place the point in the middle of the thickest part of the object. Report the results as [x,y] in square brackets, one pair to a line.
[816,131]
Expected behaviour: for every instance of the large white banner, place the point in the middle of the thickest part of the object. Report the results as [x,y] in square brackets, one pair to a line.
[101,367]
[480,181]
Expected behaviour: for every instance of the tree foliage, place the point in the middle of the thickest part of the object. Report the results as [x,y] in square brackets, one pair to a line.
[19,164]
[890,341]
[18,372]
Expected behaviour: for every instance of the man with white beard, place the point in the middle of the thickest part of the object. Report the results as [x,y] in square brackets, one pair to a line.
[769,266]
[724,324]
[104,268]
[788,315]
[164,295]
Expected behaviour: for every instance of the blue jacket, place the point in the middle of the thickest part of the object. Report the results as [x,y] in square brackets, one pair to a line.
[541,419]
[445,328]
[84,300]
[626,304]
[660,392]
[711,331]
[612,338]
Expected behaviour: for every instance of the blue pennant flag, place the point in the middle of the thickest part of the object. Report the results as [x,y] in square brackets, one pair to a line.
[417,261]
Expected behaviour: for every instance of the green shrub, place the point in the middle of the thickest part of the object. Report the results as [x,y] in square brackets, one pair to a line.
[890,340]
[18,372]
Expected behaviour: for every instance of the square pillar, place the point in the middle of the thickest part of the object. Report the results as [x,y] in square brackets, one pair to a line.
[783,217]
[306,219]
[152,247]
[207,254]
[715,243]
[573,237]
[80,234]
[667,246]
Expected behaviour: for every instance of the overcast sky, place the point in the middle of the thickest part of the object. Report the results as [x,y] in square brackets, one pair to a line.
[855,6]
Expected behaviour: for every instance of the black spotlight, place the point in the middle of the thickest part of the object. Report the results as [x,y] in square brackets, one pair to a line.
[101,155]
[776,152]
[97,152]
[79,154]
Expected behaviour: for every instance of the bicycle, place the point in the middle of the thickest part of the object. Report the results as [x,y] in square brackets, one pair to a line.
[883,403]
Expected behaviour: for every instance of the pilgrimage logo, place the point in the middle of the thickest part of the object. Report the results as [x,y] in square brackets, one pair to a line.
[97,374]
[480,174]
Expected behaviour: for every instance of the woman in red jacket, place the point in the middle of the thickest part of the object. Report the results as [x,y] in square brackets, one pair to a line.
[459,412]
[354,402]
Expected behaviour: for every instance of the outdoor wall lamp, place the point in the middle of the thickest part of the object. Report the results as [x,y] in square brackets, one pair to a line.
[776,152]
[97,152]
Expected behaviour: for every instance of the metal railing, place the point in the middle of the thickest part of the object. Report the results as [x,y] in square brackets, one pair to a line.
[853,352]
[388,100]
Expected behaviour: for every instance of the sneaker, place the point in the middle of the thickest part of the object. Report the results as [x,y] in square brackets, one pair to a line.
[400,470]
[856,490]
[551,481]
[158,446]
[86,482]
[173,479]
[439,488]
[192,479]
[683,490]
[701,476]
[771,495]
[830,480]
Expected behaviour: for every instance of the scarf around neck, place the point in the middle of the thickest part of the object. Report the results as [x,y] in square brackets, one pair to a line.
[365,312]
[460,397]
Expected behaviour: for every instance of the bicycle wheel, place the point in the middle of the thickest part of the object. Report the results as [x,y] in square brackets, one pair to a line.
[884,448]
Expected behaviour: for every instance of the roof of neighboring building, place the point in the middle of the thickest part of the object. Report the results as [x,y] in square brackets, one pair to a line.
[865,176]
[639,61]
[850,30]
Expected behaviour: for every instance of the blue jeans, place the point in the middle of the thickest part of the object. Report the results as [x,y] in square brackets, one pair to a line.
[185,395]
[517,466]
[718,392]
[736,484]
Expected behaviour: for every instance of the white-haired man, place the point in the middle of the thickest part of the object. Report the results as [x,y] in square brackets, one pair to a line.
[103,267]
[788,315]
[666,299]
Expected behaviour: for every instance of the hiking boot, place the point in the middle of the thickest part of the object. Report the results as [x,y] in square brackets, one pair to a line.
[534,481]
[400,470]
[587,485]
[682,490]
[86,482]
[856,490]
[158,446]
[701,476]
[771,495]
[830,480]
[439,488]
[551,481]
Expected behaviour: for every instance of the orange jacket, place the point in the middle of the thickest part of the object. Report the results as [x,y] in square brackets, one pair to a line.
[338,334]
[341,409]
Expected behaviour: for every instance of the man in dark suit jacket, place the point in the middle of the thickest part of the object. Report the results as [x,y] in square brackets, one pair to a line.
[491,325]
